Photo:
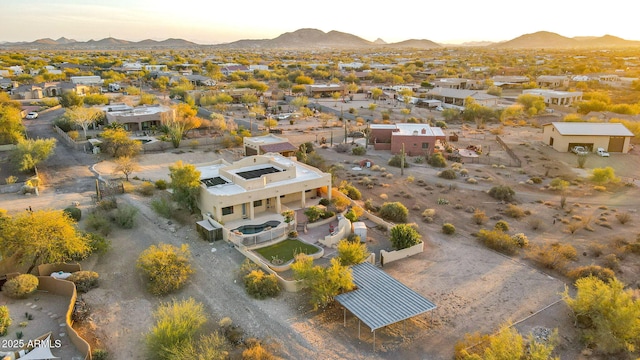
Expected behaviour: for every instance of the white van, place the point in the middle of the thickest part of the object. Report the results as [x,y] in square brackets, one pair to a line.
[601,152]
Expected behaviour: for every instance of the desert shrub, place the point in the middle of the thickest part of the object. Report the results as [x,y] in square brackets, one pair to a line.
[20,286]
[166,267]
[605,175]
[502,192]
[448,174]
[599,272]
[107,204]
[98,243]
[437,160]
[84,280]
[552,256]
[429,213]
[313,213]
[448,229]
[146,188]
[535,224]
[97,221]
[396,161]
[340,202]
[176,323]
[161,184]
[623,218]
[324,202]
[479,217]
[74,213]
[521,239]
[359,150]
[163,207]
[342,148]
[501,225]
[607,315]
[498,240]
[612,262]
[634,248]
[536,180]
[260,285]
[99,354]
[370,206]
[514,211]
[125,216]
[404,236]
[5,320]
[394,211]
[351,191]
[257,352]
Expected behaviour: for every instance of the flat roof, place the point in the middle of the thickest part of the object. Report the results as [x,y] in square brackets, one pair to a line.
[589,128]
[381,300]
[302,172]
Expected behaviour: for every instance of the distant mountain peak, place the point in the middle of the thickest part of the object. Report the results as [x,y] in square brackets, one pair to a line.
[380,42]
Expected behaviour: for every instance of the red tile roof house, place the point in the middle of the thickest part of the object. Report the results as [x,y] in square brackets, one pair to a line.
[418,139]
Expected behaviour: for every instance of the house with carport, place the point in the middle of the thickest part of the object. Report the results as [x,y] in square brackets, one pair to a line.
[563,136]
[258,184]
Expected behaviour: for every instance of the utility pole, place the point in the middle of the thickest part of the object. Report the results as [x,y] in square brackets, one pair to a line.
[402,161]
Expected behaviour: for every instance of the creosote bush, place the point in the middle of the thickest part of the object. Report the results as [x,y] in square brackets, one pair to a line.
[479,217]
[125,216]
[514,211]
[552,256]
[74,213]
[599,272]
[502,225]
[166,267]
[84,280]
[502,192]
[448,174]
[260,285]
[499,241]
[448,229]
[394,211]
[20,286]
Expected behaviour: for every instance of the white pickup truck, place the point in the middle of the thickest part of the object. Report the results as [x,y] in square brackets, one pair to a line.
[602,152]
[579,150]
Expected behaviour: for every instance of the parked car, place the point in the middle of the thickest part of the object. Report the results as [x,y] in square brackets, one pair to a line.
[602,152]
[356,134]
[579,150]
[32,115]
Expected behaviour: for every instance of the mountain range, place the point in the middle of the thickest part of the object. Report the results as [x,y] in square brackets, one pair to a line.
[317,39]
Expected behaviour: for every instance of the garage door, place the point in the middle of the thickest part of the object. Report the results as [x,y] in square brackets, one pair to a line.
[616,144]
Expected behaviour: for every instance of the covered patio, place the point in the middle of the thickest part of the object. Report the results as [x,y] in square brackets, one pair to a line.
[380,300]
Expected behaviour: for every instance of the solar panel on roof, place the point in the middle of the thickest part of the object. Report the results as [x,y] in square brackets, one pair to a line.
[254,174]
[214,181]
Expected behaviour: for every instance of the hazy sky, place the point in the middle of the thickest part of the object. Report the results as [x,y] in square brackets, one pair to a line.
[215,21]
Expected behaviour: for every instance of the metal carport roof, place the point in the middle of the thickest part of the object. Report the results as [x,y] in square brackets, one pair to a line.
[381,300]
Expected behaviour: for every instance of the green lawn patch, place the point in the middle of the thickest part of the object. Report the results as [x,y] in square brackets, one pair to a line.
[286,249]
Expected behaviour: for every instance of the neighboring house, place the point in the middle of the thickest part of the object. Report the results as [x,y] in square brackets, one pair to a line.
[323,90]
[552,82]
[230,69]
[417,139]
[259,145]
[47,89]
[259,67]
[87,80]
[257,184]
[563,136]
[7,84]
[457,83]
[510,81]
[136,119]
[553,97]
[200,80]
[458,97]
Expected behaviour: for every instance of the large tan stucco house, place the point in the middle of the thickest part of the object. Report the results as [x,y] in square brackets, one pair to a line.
[258,184]
[258,145]
[563,136]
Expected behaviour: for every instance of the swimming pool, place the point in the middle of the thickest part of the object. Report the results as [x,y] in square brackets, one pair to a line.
[254,229]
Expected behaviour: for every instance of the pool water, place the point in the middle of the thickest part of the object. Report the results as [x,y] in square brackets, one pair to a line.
[254,229]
